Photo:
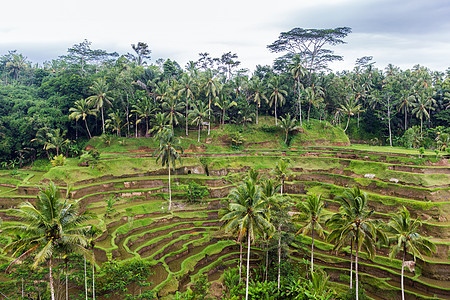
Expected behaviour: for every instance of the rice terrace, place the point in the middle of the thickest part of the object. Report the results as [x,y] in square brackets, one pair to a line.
[125,179]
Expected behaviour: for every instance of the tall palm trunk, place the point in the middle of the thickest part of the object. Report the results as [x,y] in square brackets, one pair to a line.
[103,120]
[267,260]
[312,249]
[223,117]
[406,117]
[351,263]
[240,261]
[199,131]
[87,128]
[170,190]
[248,267]
[276,118]
[299,101]
[356,266]
[209,115]
[93,281]
[85,279]
[402,278]
[279,257]
[187,107]
[67,283]
[309,109]
[257,114]
[348,121]
[52,291]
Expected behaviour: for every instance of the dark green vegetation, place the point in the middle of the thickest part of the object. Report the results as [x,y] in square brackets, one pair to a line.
[157,230]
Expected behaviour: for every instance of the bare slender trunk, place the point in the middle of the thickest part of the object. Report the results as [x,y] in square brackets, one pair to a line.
[256,114]
[187,126]
[309,109]
[85,279]
[67,284]
[248,267]
[276,121]
[93,281]
[87,128]
[299,102]
[279,257]
[170,191]
[406,117]
[356,267]
[52,291]
[282,185]
[199,130]
[223,117]
[103,121]
[128,117]
[402,279]
[348,121]
[209,115]
[136,127]
[389,122]
[312,250]
[240,261]
[351,263]
[267,259]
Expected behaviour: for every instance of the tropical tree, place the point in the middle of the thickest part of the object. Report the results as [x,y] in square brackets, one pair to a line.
[101,97]
[82,109]
[311,217]
[353,221]
[199,113]
[350,108]
[168,152]
[281,172]
[404,236]
[172,108]
[223,102]
[187,88]
[51,226]
[298,71]
[115,122]
[160,123]
[277,97]
[314,97]
[51,139]
[143,109]
[405,103]
[257,93]
[421,108]
[247,215]
[210,87]
[288,124]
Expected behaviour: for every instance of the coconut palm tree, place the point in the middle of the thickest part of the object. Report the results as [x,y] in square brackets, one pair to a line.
[187,88]
[421,108]
[223,102]
[405,103]
[82,110]
[288,124]
[281,172]
[248,215]
[298,71]
[277,96]
[172,107]
[52,225]
[168,152]
[404,236]
[101,97]
[257,93]
[160,123]
[210,87]
[314,97]
[350,108]
[311,216]
[143,109]
[199,113]
[354,221]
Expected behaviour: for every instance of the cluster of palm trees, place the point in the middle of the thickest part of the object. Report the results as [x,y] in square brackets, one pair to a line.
[52,227]
[255,208]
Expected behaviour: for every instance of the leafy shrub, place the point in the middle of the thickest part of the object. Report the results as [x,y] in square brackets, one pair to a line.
[270,128]
[58,161]
[195,192]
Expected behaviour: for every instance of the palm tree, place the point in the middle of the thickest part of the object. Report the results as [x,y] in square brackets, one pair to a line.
[172,108]
[404,236]
[143,109]
[350,107]
[49,227]
[81,110]
[51,139]
[256,88]
[168,152]
[281,172]
[405,104]
[247,215]
[198,114]
[278,93]
[314,97]
[224,102]
[210,87]
[288,124]
[101,97]
[311,216]
[353,221]
[159,124]
[187,87]
[298,71]
[115,122]
[421,108]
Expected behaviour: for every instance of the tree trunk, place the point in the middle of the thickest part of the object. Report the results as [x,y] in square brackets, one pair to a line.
[256,114]
[187,126]
[128,117]
[402,280]
[85,279]
[348,121]
[267,259]
[170,191]
[209,115]
[223,117]
[406,117]
[67,284]
[199,130]
[309,109]
[52,291]
[93,281]
[299,102]
[248,266]
[276,120]
[240,261]
[87,128]
[279,257]
[389,122]
[351,263]
[312,250]
[282,185]
[356,267]
[136,127]
[103,120]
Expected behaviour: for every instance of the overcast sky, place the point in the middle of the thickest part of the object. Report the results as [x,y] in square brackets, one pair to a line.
[401,32]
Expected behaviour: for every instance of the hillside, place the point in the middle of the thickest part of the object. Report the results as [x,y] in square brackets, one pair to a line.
[186,242]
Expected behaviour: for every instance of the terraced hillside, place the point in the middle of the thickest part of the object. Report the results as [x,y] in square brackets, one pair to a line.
[187,241]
